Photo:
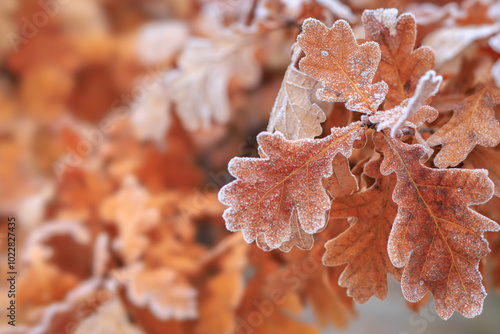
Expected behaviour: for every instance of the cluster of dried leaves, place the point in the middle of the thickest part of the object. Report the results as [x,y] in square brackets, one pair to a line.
[118,119]
[415,220]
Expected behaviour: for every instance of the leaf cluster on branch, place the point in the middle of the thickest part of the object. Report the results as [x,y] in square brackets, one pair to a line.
[415,220]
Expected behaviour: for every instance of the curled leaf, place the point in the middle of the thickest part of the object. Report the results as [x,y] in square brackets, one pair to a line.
[293,113]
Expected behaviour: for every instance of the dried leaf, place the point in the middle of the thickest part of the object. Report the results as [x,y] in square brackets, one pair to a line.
[268,190]
[342,182]
[132,211]
[79,302]
[448,42]
[473,123]
[345,78]
[150,115]
[364,245]
[199,86]
[489,159]
[151,47]
[167,294]
[436,237]
[401,66]
[293,113]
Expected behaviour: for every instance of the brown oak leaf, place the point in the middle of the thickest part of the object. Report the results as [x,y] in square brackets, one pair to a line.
[436,237]
[293,113]
[345,68]
[401,66]
[267,190]
[473,123]
[364,245]
[487,158]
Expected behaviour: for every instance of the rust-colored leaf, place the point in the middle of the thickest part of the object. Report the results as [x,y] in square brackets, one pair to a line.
[436,237]
[345,68]
[364,245]
[487,158]
[473,123]
[401,66]
[268,190]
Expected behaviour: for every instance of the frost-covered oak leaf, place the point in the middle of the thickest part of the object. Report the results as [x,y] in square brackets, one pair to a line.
[401,66]
[345,68]
[267,190]
[293,113]
[489,159]
[436,237]
[473,123]
[364,244]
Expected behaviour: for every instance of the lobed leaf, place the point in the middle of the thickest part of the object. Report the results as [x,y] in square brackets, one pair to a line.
[345,68]
[401,66]
[436,237]
[364,245]
[473,123]
[267,190]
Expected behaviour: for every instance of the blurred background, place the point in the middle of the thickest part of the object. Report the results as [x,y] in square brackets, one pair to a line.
[117,121]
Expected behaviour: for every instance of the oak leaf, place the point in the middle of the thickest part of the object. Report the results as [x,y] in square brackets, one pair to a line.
[266,191]
[293,113]
[473,123]
[489,159]
[436,237]
[401,66]
[345,68]
[134,214]
[164,291]
[199,86]
[449,42]
[364,245]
